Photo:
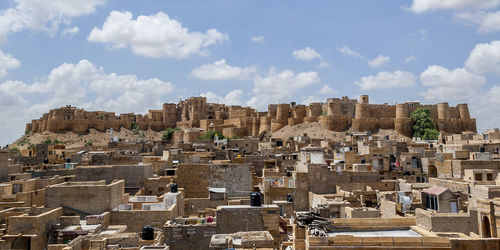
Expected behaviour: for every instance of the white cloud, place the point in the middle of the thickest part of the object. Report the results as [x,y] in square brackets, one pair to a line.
[43,15]
[379,61]
[7,62]
[310,99]
[70,31]
[419,34]
[382,80]
[258,39]
[436,75]
[324,64]
[327,90]
[82,84]
[486,21]
[484,58]
[347,52]
[279,86]
[410,58]
[420,6]
[220,70]
[449,85]
[464,84]
[306,54]
[154,36]
[483,107]
[231,98]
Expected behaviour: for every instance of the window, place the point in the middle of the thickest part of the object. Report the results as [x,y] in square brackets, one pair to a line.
[489,176]
[478,177]
[431,202]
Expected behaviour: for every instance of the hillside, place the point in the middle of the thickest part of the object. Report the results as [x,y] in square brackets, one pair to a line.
[74,140]
[100,139]
[315,130]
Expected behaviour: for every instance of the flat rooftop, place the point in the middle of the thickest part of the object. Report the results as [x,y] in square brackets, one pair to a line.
[379,233]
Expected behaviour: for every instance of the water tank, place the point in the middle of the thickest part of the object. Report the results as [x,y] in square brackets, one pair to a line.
[173,188]
[256,199]
[46,161]
[289,198]
[148,233]
[363,160]
[482,149]
[288,174]
[68,160]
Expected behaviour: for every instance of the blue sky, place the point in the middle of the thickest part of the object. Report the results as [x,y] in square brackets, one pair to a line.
[134,55]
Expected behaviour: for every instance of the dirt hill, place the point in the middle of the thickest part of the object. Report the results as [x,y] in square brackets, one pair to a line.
[73,140]
[315,130]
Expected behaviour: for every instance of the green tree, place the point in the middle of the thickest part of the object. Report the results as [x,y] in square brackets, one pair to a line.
[422,124]
[167,135]
[210,135]
[135,128]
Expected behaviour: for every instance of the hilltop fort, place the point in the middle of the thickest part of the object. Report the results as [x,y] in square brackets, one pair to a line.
[337,114]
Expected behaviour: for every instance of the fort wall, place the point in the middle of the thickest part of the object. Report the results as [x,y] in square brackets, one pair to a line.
[337,114]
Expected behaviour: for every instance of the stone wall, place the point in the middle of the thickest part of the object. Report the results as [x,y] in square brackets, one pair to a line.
[87,197]
[235,178]
[133,175]
[197,236]
[39,221]
[243,218]
[194,178]
[388,209]
[325,181]
[6,169]
[447,222]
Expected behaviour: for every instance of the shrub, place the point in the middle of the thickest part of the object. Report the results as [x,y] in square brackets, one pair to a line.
[210,135]
[15,149]
[88,143]
[135,128]
[167,135]
[24,141]
[47,141]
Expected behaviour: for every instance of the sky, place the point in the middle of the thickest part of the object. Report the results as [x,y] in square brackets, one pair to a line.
[133,55]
